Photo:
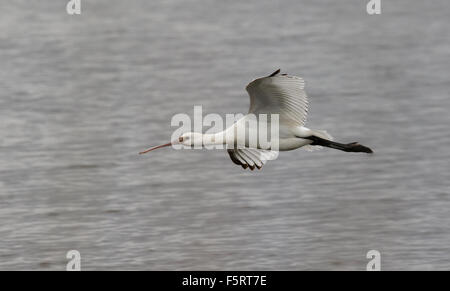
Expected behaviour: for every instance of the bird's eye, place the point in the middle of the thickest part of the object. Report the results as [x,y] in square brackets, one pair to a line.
[180,139]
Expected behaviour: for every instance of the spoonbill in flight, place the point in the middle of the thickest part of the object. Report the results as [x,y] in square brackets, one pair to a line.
[275,94]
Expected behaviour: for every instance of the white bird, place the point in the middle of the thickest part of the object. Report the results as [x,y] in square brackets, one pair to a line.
[275,94]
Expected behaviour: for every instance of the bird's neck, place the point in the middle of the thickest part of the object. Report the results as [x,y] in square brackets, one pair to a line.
[213,139]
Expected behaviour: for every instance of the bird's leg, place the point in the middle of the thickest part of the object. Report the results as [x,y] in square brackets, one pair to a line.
[349,147]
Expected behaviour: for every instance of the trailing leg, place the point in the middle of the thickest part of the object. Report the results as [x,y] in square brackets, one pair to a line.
[349,147]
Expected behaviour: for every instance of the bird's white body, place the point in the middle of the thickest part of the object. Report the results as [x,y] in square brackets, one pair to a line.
[276,95]
[289,136]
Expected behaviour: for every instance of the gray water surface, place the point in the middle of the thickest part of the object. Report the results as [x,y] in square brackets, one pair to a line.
[81,95]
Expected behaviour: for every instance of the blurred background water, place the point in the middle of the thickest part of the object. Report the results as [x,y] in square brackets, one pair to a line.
[81,95]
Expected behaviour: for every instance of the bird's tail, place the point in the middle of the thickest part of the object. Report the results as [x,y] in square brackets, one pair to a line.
[322,138]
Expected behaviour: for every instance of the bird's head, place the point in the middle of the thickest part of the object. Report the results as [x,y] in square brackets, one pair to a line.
[189,139]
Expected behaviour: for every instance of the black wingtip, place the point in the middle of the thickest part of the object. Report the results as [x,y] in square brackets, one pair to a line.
[275,73]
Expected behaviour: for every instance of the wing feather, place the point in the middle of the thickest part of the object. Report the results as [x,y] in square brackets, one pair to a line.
[251,158]
[279,94]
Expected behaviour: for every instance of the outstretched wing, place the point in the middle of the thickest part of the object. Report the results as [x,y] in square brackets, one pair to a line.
[251,158]
[279,94]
